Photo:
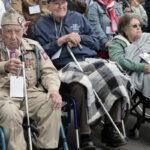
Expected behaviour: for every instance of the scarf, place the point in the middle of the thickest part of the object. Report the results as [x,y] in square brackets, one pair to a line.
[111,13]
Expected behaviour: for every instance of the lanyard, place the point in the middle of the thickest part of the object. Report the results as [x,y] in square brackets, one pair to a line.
[56,31]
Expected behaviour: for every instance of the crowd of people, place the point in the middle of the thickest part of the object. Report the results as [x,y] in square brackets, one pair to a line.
[42,31]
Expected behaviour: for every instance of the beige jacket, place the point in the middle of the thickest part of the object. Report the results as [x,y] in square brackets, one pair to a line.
[49,74]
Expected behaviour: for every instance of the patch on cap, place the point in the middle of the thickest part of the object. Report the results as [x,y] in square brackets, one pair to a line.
[20,21]
[12,17]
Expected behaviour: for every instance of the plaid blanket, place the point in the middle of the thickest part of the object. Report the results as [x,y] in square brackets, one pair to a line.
[105,77]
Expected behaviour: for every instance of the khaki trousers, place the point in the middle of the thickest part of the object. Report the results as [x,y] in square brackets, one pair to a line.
[48,121]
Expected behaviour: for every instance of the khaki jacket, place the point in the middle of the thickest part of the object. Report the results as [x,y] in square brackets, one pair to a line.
[49,74]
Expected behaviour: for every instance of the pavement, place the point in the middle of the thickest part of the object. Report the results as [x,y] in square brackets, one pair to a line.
[143,143]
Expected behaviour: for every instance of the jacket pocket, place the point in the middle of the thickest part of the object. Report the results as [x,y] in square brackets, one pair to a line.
[31,78]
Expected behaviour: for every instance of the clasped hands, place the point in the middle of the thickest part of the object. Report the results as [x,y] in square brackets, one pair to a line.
[73,40]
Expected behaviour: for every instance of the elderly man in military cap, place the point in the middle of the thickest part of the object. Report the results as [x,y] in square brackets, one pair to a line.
[43,107]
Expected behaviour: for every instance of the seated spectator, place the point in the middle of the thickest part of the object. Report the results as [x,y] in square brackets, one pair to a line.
[139,10]
[31,10]
[44,107]
[2,10]
[79,6]
[124,5]
[131,50]
[102,20]
[61,28]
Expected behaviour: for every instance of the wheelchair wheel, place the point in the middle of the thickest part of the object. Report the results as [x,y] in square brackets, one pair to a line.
[137,102]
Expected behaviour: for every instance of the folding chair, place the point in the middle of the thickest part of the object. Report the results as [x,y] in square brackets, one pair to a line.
[140,109]
[71,105]
[34,135]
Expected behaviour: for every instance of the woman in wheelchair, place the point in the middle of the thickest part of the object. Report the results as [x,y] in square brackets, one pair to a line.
[131,49]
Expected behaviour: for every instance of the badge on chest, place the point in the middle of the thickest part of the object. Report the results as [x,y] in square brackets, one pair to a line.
[29,61]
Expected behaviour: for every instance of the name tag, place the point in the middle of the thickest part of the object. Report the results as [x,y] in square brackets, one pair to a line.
[16,86]
[108,30]
[57,54]
[145,56]
[34,9]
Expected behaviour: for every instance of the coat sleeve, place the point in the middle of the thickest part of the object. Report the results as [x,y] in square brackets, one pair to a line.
[88,37]
[2,67]
[93,17]
[117,54]
[38,34]
[143,14]
[49,74]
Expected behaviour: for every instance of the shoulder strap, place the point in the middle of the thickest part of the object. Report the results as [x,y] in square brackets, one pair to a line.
[38,57]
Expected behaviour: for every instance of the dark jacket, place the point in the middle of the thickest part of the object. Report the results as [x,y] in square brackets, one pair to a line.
[45,32]
[147,8]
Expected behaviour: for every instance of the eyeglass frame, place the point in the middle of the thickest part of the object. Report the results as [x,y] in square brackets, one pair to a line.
[135,26]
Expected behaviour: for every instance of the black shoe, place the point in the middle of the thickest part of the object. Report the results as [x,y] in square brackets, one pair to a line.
[86,142]
[111,137]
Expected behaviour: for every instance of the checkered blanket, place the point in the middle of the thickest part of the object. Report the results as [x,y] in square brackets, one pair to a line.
[105,77]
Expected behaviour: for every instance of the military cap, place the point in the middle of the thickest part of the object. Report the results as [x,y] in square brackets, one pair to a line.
[11,17]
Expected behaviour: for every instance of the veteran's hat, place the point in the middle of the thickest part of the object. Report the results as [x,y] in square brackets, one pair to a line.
[11,17]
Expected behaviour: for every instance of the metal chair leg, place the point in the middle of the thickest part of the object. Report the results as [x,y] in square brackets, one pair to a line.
[2,135]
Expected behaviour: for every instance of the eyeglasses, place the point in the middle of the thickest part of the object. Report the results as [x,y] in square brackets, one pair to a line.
[135,25]
[59,3]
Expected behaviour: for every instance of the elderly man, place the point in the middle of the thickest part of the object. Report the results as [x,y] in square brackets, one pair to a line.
[61,28]
[43,107]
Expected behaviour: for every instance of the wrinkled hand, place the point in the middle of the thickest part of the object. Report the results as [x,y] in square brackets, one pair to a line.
[73,39]
[107,44]
[147,68]
[14,64]
[56,100]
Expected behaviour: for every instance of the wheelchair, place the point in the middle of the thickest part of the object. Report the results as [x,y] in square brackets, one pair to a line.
[66,120]
[141,109]
[34,136]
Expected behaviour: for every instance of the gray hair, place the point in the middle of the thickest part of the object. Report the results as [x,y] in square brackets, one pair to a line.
[124,21]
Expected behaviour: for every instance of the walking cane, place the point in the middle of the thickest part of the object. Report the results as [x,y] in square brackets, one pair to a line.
[26,100]
[96,95]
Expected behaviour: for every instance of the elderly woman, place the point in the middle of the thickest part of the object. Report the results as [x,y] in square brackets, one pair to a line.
[103,16]
[131,50]
[139,10]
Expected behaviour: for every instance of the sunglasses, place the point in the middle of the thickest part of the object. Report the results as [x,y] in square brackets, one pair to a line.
[135,25]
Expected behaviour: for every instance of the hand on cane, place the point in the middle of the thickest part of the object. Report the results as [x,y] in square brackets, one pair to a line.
[14,65]
[73,39]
